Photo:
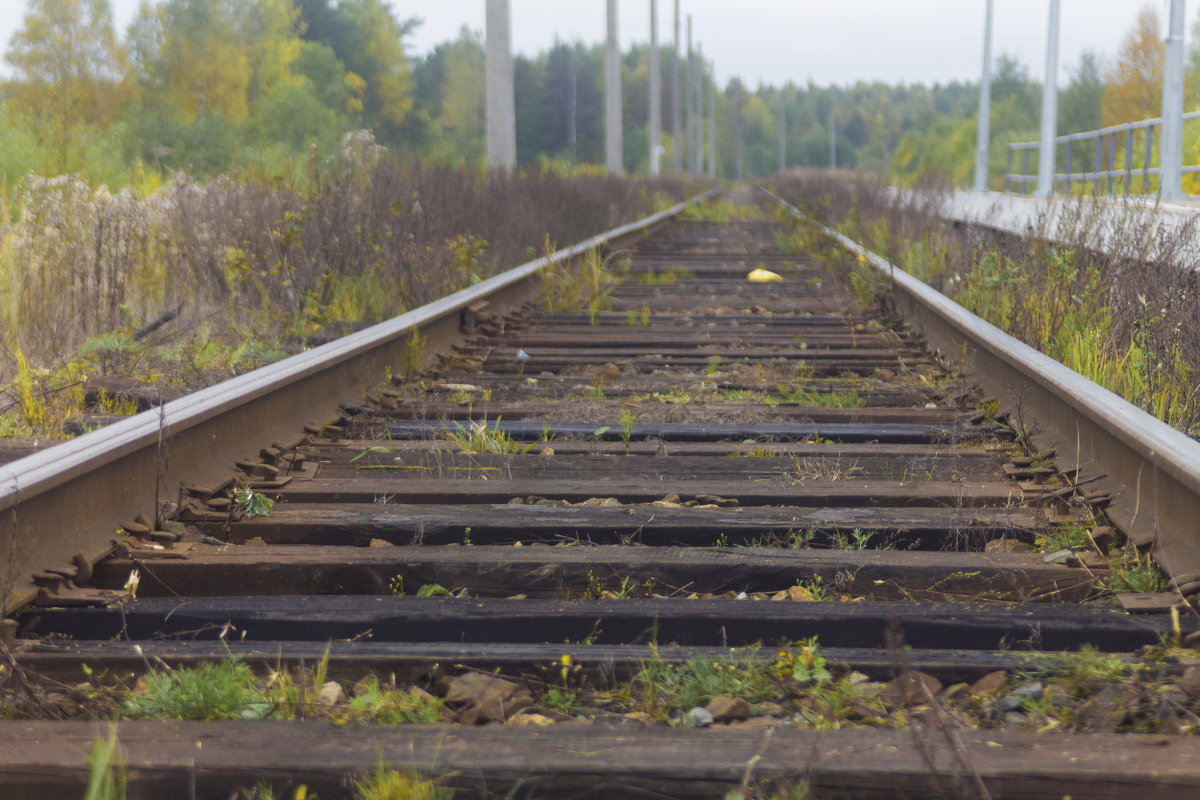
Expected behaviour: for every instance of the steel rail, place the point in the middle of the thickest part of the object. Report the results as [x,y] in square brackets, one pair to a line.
[1150,470]
[62,506]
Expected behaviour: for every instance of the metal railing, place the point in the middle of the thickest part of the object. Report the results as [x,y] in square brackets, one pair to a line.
[1091,157]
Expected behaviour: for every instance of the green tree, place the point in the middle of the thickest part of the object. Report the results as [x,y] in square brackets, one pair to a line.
[1080,106]
[1134,90]
[70,73]
[375,53]
[462,102]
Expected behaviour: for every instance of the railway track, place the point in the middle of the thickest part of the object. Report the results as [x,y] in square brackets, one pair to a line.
[710,536]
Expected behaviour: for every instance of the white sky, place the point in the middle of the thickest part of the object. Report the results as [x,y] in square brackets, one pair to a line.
[775,41]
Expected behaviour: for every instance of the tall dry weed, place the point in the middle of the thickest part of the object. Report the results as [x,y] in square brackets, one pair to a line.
[1106,288]
[244,258]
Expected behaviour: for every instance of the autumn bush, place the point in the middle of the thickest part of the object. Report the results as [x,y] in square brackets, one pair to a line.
[1115,301]
[246,260]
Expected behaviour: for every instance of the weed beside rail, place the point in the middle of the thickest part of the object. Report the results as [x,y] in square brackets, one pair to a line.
[1122,318]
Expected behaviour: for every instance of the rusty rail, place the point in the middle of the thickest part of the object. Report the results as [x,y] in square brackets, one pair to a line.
[59,508]
[1150,470]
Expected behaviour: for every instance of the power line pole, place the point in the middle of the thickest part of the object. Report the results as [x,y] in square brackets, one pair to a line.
[699,109]
[1046,147]
[982,137]
[782,131]
[691,113]
[655,93]
[1171,160]
[736,99]
[501,121]
[712,124]
[573,107]
[832,132]
[612,96]
[676,105]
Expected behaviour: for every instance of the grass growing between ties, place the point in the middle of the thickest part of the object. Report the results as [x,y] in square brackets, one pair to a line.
[106,776]
[720,209]
[789,684]
[385,783]
[583,282]
[382,783]
[230,689]
[477,437]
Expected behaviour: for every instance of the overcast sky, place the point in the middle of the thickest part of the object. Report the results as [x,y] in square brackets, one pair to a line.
[776,41]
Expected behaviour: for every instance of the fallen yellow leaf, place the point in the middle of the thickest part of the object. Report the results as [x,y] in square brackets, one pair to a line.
[761,275]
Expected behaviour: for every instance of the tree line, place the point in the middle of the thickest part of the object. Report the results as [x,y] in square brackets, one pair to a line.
[206,86]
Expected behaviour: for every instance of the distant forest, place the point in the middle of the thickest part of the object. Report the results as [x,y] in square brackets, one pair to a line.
[271,86]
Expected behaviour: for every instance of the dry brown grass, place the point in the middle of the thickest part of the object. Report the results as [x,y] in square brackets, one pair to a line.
[246,260]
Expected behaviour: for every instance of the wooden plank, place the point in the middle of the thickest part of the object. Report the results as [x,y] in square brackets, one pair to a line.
[557,572]
[720,322]
[692,456]
[821,366]
[486,411]
[334,523]
[978,626]
[650,461]
[796,492]
[411,662]
[641,336]
[700,349]
[216,760]
[847,432]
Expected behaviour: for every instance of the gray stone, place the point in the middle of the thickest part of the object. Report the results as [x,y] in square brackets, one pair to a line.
[1014,699]
[1064,557]
[1104,712]
[989,684]
[1190,682]
[486,698]
[727,709]
[697,718]
[330,695]
[909,689]
[1007,546]
[177,529]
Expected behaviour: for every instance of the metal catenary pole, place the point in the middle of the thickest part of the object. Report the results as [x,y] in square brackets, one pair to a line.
[712,124]
[985,105]
[676,105]
[699,109]
[688,97]
[501,124]
[782,131]
[1171,159]
[655,93]
[833,133]
[1046,146]
[737,100]
[612,96]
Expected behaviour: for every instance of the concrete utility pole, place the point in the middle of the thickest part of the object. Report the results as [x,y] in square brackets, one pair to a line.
[983,135]
[699,110]
[501,105]
[1046,146]
[676,105]
[737,101]
[832,133]
[655,93]
[689,99]
[573,109]
[612,96]
[712,124]
[1171,159]
[783,130]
